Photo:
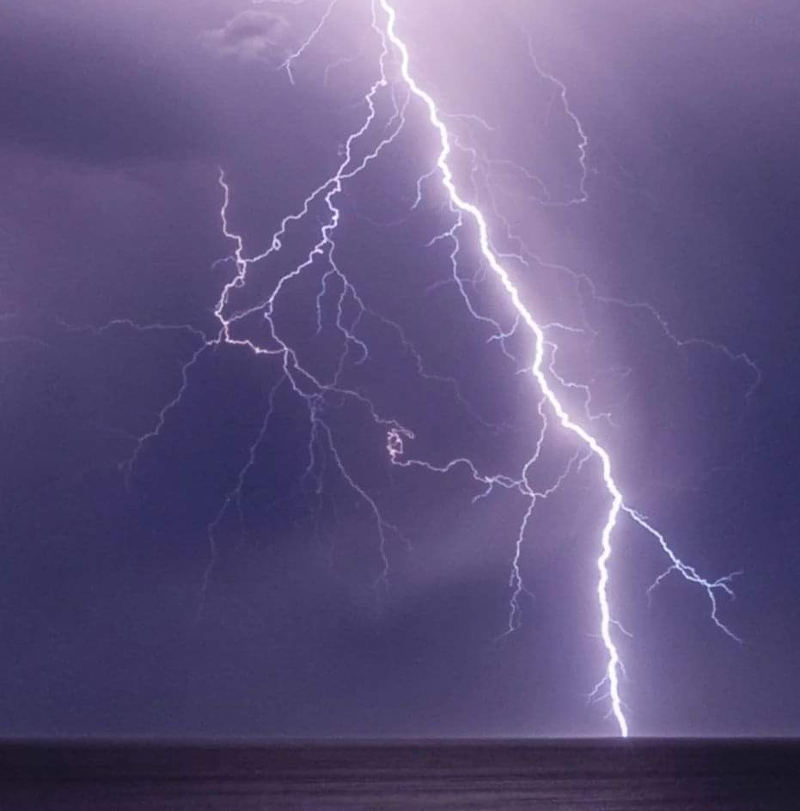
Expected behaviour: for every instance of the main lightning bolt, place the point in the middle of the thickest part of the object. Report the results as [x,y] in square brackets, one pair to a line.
[539,371]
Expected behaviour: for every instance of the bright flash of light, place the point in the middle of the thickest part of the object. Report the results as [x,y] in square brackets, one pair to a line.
[340,306]
[538,369]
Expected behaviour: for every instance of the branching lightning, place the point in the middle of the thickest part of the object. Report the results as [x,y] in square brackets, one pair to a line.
[539,370]
[583,140]
[306,43]
[340,306]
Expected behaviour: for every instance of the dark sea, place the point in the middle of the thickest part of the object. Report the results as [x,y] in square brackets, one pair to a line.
[602,775]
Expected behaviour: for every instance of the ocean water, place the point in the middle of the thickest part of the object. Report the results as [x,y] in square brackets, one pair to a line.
[590,775]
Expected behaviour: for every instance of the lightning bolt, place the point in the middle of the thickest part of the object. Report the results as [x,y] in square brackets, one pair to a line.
[539,370]
[583,142]
[317,393]
[306,43]
[341,309]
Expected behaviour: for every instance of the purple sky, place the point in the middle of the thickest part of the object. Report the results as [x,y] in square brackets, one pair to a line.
[677,264]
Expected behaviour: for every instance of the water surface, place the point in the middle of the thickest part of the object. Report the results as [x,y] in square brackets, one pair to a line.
[597,775]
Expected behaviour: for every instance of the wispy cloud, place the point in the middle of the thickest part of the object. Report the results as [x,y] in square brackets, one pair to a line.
[253,34]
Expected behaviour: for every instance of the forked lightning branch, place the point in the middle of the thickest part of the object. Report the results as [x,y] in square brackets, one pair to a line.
[410,102]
